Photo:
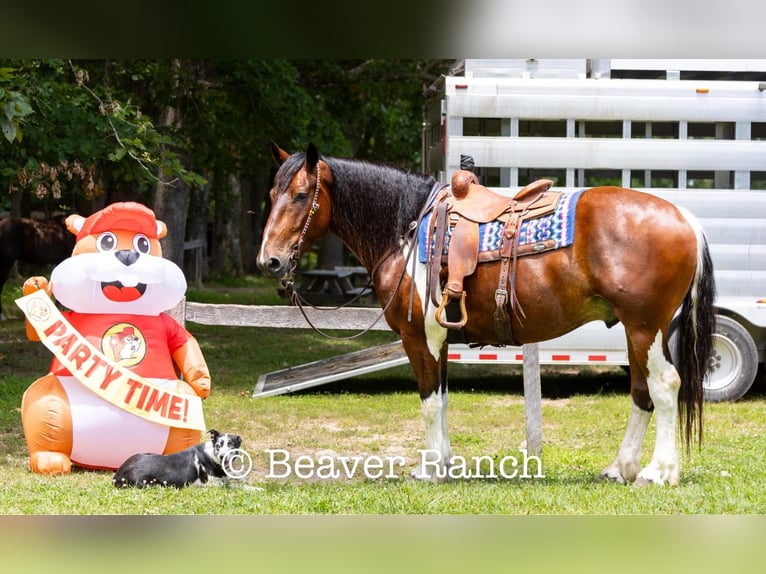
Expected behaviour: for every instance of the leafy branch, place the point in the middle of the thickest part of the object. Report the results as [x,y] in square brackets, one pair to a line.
[15,108]
[141,124]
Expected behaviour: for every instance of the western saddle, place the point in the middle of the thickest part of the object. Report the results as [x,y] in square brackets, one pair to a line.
[460,208]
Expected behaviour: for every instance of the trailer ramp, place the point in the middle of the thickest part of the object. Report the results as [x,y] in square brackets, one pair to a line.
[318,373]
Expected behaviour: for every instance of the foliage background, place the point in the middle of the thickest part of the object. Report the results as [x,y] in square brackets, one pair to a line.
[190,138]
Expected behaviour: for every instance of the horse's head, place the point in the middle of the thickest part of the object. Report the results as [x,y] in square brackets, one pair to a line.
[300,210]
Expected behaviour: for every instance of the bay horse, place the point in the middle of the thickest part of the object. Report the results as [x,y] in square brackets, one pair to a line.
[36,241]
[635,259]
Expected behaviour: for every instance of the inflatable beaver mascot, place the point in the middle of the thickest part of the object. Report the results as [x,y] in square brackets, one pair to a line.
[113,389]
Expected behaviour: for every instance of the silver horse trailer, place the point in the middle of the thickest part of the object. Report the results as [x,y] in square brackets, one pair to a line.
[691,131]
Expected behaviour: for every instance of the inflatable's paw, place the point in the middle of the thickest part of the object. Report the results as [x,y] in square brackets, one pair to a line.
[34,284]
[50,463]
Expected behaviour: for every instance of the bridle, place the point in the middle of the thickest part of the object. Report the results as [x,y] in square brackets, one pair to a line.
[289,283]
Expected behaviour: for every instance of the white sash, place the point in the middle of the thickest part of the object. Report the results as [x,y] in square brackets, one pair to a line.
[110,381]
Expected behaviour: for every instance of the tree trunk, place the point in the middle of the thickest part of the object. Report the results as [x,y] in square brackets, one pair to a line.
[195,260]
[330,252]
[171,201]
[255,210]
[228,206]
[171,204]
[16,202]
[248,245]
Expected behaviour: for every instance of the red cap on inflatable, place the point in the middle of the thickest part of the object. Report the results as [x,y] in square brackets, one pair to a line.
[128,215]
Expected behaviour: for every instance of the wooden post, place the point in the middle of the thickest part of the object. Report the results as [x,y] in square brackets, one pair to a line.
[533,399]
[179,312]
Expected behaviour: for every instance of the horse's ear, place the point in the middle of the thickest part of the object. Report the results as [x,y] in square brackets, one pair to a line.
[312,157]
[278,154]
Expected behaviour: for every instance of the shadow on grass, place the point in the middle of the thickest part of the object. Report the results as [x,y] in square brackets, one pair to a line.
[556,382]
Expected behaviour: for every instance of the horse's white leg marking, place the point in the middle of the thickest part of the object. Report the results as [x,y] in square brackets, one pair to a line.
[438,451]
[626,465]
[664,382]
[435,333]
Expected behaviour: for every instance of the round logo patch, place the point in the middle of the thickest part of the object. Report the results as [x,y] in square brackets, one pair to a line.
[125,344]
[38,311]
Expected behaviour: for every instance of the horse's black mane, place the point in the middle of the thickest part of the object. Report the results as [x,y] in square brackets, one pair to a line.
[383,198]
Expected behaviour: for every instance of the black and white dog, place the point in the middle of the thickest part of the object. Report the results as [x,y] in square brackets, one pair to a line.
[194,466]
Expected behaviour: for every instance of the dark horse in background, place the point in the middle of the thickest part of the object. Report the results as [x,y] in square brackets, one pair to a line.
[635,259]
[44,241]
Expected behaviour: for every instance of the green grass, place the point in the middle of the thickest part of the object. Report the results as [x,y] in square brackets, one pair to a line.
[584,419]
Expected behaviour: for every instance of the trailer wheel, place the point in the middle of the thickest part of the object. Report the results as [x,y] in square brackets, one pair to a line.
[734,365]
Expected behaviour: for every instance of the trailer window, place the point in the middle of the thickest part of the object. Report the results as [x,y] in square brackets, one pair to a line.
[558,176]
[489,176]
[709,179]
[653,178]
[758,131]
[490,127]
[758,180]
[640,130]
[543,128]
[595,177]
[599,129]
[707,130]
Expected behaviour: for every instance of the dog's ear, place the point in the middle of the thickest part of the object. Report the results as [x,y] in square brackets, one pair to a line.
[237,440]
[213,434]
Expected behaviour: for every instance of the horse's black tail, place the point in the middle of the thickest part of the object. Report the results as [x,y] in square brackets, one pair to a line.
[696,325]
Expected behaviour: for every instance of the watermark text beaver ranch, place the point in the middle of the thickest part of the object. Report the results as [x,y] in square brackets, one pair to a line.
[282,464]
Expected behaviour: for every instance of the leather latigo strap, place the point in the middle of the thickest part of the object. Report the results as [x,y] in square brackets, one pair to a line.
[439,239]
[502,320]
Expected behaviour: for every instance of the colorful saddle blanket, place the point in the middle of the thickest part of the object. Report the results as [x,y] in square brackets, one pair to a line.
[551,231]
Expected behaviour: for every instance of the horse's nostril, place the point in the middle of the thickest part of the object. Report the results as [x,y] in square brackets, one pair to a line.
[273,264]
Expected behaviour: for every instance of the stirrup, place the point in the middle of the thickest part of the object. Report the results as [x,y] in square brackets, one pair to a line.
[463,313]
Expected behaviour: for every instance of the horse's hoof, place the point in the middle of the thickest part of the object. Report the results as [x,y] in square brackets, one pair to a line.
[658,474]
[611,476]
[52,463]
[420,474]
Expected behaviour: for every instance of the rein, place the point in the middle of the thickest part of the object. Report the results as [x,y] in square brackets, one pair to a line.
[299,301]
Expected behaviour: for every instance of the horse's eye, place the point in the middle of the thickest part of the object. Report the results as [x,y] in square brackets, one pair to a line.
[106,242]
[301,197]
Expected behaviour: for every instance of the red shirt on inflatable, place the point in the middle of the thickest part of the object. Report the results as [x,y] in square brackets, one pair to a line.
[142,343]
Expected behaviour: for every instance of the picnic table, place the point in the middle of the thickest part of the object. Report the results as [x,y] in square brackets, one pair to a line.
[336,286]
